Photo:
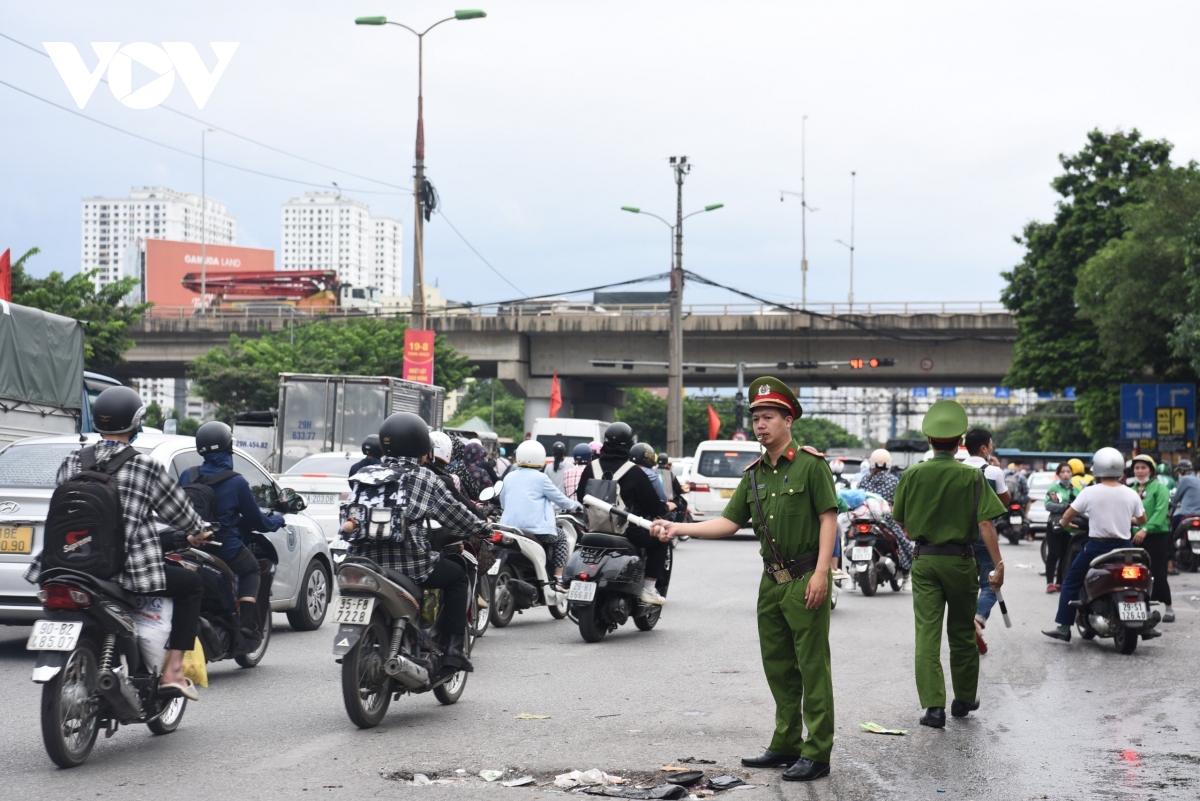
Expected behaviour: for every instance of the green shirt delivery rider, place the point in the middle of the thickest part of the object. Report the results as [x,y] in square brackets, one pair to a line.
[788,496]
[942,504]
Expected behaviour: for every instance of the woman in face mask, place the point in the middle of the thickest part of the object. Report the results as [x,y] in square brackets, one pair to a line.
[1155,535]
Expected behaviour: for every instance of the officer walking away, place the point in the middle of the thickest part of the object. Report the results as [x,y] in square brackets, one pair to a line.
[372,454]
[240,517]
[944,506]
[789,497]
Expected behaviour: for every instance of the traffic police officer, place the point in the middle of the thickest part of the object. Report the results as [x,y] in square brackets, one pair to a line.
[789,497]
[944,505]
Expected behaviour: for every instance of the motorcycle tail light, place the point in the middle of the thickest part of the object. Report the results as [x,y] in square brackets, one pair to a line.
[1014,506]
[701,488]
[496,537]
[353,577]
[1196,522]
[583,576]
[1131,572]
[60,597]
[864,528]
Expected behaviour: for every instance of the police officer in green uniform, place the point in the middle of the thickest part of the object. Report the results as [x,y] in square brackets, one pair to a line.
[788,495]
[944,505]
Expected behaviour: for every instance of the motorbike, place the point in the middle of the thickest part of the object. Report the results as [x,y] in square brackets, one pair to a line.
[1013,524]
[220,622]
[873,555]
[1115,599]
[1187,544]
[604,580]
[92,672]
[389,633]
[522,573]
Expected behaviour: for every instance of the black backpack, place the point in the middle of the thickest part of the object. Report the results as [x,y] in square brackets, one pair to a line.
[85,527]
[200,493]
[605,487]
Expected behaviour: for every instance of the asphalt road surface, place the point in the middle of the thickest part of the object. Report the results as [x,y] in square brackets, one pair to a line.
[1074,721]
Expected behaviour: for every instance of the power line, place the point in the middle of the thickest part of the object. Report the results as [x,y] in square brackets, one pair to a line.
[644,280]
[442,214]
[181,150]
[234,134]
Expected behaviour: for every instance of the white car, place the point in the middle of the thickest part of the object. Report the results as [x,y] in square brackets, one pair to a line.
[28,469]
[716,471]
[323,480]
[1039,482]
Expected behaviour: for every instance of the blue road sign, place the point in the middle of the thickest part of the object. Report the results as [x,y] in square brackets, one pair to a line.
[1151,411]
[1070,393]
[1045,396]
[1004,393]
[920,392]
[949,392]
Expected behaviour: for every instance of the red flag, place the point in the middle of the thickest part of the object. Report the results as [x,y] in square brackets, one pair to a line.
[555,396]
[714,423]
[5,276]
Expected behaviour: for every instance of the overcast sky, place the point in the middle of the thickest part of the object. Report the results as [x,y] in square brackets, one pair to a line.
[546,117]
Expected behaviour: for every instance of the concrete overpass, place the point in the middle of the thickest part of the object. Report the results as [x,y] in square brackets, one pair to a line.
[932,344]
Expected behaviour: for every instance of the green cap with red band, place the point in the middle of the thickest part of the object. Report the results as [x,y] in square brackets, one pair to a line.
[770,391]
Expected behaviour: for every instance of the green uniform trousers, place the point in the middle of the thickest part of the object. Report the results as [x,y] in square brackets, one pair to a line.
[795,655]
[941,583]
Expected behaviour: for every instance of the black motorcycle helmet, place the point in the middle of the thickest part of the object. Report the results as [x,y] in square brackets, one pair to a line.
[371,447]
[117,410]
[582,453]
[619,434]
[663,461]
[559,450]
[405,434]
[213,437]
[642,454]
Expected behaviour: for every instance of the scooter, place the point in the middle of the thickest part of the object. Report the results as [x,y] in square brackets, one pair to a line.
[1013,524]
[91,669]
[1187,544]
[1114,599]
[389,637]
[605,578]
[873,556]
[522,574]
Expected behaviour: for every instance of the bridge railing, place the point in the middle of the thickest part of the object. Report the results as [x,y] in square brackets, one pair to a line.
[568,309]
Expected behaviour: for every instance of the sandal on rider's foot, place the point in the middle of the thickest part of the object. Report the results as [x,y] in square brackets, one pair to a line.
[187,689]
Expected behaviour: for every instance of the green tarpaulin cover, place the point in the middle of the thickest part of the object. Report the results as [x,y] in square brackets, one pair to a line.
[41,357]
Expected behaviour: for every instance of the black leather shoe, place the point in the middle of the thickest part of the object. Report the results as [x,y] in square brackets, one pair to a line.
[770,759]
[960,709]
[1058,634]
[934,717]
[456,655]
[805,770]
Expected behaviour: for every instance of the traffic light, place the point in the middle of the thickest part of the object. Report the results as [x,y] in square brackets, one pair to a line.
[858,364]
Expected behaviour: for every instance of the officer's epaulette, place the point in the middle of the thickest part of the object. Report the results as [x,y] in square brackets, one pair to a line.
[813,451]
[752,465]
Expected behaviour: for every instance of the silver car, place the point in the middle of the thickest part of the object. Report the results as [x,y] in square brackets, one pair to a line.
[1039,482]
[27,471]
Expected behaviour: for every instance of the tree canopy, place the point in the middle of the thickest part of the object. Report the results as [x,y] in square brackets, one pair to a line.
[509,419]
[244,375]
[105,317]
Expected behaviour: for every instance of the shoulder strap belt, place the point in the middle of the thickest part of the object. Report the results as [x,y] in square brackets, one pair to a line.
[762,521]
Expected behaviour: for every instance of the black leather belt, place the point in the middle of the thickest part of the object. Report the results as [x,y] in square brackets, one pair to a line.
[925,549]
[792,570]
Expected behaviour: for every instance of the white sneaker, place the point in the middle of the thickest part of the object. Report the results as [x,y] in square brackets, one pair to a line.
[840,575]
[650,596]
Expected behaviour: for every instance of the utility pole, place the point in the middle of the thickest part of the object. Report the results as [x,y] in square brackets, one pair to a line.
[418,290]
[850,298]
[804,210]
[203,225]
[681,169]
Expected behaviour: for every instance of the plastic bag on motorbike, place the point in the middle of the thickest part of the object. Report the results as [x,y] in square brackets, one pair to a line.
[194,665]
[152,617]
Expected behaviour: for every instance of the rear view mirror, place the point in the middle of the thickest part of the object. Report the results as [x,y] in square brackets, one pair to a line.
[489,493]
[290,502]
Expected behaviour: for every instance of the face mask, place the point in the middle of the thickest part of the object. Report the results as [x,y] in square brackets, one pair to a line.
[1145,480]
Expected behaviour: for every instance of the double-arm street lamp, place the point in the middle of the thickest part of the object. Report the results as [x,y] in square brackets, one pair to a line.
[675,341]
[418,290]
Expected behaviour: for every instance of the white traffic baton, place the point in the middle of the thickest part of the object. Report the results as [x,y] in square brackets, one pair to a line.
[608,508]
[1003,606]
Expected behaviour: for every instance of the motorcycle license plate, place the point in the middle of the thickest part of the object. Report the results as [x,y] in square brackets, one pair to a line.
[1135,611]
[354,609]
[582,591]
[860,553]
[54,635]
[1194,536]
[494,570]
[1015,520]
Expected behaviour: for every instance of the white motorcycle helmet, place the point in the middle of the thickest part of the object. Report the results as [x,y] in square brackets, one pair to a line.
[1108,463]
[880,457]
[441,446]
[837,466]
[531,453]
[961,454]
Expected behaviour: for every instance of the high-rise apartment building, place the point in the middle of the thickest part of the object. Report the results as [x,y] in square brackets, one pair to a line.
[328,231]
[112,225]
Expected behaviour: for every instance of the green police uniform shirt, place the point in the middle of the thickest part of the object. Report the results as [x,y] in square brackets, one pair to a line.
[935,498]
[793,493]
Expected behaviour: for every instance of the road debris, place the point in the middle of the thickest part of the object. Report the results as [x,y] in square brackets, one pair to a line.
[695,761]
[521,782]
[875,728]
[686,778]
[531,716]
[490,775]
[724,782]
[577,778]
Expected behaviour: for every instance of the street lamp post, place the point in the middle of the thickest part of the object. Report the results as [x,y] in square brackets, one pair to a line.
[204,224]
[418,290]
[804,209]
[675,336]
[851,245]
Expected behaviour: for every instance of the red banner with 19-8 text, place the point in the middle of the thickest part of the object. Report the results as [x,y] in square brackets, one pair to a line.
[418,356]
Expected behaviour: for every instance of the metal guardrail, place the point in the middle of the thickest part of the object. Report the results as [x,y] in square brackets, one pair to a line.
[566,309]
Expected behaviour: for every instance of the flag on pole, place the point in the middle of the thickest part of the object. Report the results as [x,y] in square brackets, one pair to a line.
[5,276]
[714,422]
[555,395]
